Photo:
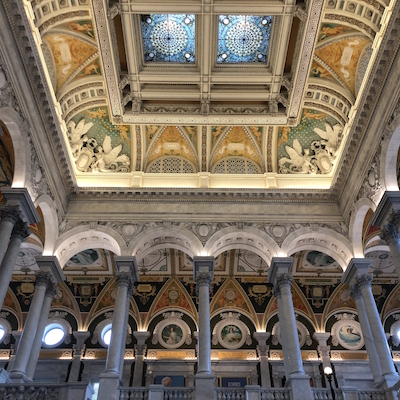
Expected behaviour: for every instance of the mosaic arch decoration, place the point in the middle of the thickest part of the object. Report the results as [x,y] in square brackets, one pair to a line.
[168,37]
[243,38]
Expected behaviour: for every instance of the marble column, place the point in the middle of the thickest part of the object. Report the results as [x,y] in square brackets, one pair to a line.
[19,234]
[262,350]
[50,273]
[390,234]
[203,274]
[126,276]
[9,217]
[279,276]
[140,352]
[19,206]
[125,334]
[79,349]
[357,273]
[37,342]
[374,364]
[18,374]
[324,350]
[17,336]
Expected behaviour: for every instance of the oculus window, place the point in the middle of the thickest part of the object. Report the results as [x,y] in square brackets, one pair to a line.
[243,38]
[168,37]
[2,333]
[106,335]
[54,334]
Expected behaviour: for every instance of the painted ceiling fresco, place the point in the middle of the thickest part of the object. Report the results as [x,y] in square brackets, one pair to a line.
[243,38]
[341,60]
[168,37]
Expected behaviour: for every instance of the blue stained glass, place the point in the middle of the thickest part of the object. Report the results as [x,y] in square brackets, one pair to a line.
[168,37]
[243,38]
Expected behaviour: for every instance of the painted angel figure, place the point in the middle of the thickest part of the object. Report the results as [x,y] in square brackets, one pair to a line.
[331,135]
[299,161]
[108,155]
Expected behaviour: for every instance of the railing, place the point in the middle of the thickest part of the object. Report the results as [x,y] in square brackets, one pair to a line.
[326,394]
[23,391]
[371,394]
[179,393]
[230,394]
[275,394]
[133,393]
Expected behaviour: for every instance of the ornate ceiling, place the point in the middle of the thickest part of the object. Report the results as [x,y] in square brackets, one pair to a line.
[149,91]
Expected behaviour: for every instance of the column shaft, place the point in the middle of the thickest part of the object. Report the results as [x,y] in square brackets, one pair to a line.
[114,349]
[30,328]
[367,334]
[124,334]
[290,337]
[9,217]
[282,329]
[37,342]
[378,334]
[204,353]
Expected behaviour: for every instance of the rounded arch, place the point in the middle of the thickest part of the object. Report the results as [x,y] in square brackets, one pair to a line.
[303,315]
[322,239]
[83,238]
[46,204]
[161,237]
[247,238]
[338,311]
[235,310]
[357,224]
[169,309]
[21,144]
[389,154]
[103,311]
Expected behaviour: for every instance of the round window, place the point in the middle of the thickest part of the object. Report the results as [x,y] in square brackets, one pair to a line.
[2,333]
[54,334]
[398,334]
[106,335]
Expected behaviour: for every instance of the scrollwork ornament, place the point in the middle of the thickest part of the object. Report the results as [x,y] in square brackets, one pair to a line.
[390,233]
[364,281]
[51,290]
[395,217]
[203,279]
[124,279]
[283,280]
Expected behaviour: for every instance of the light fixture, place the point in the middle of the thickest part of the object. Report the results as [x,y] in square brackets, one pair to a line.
[187,56]
[187,20]
[149,20]
[264,22]
[151,55]
[328,370]
[224,56]
[226,21]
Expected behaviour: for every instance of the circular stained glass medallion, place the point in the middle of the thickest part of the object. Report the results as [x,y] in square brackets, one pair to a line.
[168,37]
[243,38]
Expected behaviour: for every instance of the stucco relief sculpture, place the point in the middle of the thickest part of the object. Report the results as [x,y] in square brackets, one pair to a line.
[90,156]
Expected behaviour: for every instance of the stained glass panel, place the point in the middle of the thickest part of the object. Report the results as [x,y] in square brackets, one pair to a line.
[243,38]
[168,37]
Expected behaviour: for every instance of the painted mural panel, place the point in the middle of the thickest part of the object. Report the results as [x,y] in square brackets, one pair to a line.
[69,54]
[342,56]
[329,30]
[93,68]
[318,71]
[84,27]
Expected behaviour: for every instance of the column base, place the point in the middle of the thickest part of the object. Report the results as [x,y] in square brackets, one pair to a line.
[108,387]
[204,383]
[349,393]
[77,391]
[300,385]
[388,381]
[4,377]
[18,377]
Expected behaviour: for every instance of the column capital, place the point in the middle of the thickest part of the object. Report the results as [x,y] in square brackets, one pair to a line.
[51,290]
[261,337]
[279,266]
[10,213]
[389,233]
[21,198]
[363,281]
[141,336]
[126,279]
[357,267]
[127,264]
[355,291]
[50,265]
[390,201]
[262,350]
[43,279]
[276,291]
[321,337]
[203,269]
[283,280]
[21,230]
[81,337]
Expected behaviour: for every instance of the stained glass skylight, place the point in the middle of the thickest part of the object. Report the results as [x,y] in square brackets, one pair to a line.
[168,37]
[243,38]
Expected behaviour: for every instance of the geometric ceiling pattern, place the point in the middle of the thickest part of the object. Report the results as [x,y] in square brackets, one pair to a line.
[163,83]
